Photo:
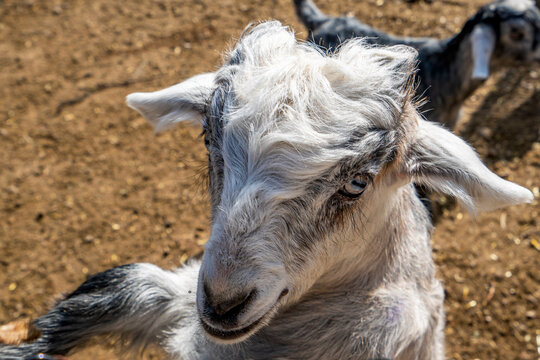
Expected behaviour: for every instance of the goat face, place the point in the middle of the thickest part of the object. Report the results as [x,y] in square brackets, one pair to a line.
[306,152]
[517,24]
[283,136]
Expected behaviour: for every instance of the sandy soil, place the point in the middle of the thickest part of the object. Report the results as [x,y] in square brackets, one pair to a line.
[85,185]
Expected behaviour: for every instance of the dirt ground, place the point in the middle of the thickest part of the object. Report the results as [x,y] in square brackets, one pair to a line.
[85,185]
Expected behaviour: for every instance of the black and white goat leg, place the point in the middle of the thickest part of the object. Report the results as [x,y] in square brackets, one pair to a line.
[138,302]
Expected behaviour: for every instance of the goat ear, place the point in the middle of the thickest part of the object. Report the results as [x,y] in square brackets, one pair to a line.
[483,40]
[185,101]
[443,162]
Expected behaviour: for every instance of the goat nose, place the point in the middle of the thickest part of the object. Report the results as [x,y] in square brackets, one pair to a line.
[225,310]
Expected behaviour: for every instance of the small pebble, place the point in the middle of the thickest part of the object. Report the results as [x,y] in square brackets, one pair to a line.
[113,140]
[56,10]
[502,221]
[485,132]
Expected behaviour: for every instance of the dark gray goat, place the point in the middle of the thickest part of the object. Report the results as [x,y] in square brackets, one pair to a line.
[501,33]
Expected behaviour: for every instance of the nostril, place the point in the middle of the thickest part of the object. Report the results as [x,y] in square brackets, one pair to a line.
[230,307]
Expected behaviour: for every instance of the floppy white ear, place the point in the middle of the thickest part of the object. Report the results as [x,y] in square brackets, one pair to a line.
[443,162]
[483,39]
[166,108]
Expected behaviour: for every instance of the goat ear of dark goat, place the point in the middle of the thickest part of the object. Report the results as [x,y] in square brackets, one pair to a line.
[483,40]
[445,163]
[182,102]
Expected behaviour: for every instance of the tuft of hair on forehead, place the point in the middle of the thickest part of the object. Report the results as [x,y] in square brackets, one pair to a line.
[287,94]
[279,73]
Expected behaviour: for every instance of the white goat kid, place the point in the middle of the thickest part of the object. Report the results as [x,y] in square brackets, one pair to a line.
[319,246]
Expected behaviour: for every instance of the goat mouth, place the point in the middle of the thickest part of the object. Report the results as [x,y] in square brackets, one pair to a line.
[231,335]
[243,333]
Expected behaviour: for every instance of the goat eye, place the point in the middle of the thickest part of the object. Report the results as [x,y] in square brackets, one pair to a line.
[517,36]
[354,188]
